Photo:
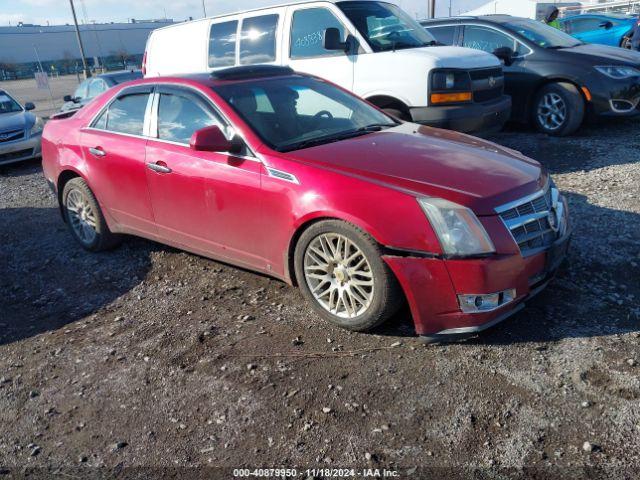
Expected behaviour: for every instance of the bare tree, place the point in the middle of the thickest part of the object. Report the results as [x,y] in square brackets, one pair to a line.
[123,55]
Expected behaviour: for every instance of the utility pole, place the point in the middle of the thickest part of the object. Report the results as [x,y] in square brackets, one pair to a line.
[450,2]
[85,68]
[431,9]
[204,9]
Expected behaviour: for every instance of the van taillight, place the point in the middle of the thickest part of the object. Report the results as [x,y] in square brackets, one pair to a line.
[144,63]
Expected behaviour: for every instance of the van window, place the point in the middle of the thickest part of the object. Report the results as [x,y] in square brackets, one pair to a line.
[258,39]
[222,44]
[179,116]
[444,35]
[385,26]
[307,32]
[125,114]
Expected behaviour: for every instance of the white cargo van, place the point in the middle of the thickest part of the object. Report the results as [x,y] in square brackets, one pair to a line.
[372,48]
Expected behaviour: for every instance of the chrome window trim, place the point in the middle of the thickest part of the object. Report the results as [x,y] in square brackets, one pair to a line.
[154,104]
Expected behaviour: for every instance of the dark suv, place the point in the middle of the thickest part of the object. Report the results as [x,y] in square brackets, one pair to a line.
[554,79]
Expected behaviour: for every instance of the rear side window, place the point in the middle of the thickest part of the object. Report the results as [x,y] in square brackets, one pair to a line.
[222,44]
[445,35]
[124,115]
[307,32]
[258,39]
[179,115]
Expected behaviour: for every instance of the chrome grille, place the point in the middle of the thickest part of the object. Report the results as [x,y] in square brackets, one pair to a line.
[11,135]
[528,222]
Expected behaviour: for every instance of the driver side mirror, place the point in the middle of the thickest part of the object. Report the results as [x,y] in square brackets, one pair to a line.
[505,54]
[211,139]
[607,25]
[333,41]
[29,106]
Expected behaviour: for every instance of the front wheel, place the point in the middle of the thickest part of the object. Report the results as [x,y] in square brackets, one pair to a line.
[558,109]
[341,273]
[626,42]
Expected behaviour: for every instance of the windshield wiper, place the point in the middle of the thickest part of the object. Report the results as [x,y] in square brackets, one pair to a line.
[374,127]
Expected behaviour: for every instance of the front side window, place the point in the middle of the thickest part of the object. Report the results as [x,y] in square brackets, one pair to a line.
[385,26]
[258,39]
[125,114]
[180,115]
[8,104]
[222,44]
[444,35]
[486,39]
[301,112]
[307,32]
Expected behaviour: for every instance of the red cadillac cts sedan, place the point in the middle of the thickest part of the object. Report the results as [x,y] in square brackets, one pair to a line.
[292,176]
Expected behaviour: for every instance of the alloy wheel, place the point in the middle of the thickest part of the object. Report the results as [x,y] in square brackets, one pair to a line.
[339,275]
[552,111]
[82,217]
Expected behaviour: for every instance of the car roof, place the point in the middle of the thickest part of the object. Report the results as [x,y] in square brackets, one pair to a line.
[118,73]
[270,7]
[226,76]
[493,18]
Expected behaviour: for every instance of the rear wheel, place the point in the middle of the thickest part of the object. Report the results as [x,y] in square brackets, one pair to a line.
[626,42]
[341,273]
[84,217]
[558,109]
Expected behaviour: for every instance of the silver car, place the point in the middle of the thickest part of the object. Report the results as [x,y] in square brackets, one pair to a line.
[20,131]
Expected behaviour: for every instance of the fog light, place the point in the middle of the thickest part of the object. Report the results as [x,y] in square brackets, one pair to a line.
[486,302]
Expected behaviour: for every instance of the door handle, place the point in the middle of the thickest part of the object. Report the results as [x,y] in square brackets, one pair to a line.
[156,167]
[97,152]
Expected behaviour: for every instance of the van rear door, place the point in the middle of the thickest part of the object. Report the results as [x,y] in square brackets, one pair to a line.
[303,48]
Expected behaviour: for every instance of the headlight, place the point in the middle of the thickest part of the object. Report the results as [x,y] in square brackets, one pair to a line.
[619,72]
[459,230]
[38,126]
[450,86]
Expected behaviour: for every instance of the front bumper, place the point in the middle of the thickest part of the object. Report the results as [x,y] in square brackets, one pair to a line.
[431,286]
[614,98]
[468,118]
[20,150]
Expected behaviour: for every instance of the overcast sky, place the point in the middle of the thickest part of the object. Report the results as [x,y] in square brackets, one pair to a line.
[58,12]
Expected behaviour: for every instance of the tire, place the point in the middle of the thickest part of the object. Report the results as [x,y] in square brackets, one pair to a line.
[570,104]
[626,42]
[358,307]
[399,114]
[85,219]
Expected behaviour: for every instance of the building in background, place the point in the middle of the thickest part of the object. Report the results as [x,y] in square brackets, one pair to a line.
[108,46]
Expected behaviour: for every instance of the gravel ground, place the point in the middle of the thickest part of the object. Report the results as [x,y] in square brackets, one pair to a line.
[151,357]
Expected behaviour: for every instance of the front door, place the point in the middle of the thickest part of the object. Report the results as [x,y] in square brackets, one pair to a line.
[305,51]
[114,150]
[206,202]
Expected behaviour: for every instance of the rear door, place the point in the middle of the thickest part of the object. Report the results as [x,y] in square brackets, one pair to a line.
[304,49]
[114,150]
[207,202]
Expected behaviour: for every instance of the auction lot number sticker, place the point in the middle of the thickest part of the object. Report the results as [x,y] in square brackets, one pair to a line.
[314,473]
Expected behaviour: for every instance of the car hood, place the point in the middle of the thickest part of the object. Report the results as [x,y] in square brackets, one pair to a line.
[426,161]
[16,121]
[603,54]
[450,57]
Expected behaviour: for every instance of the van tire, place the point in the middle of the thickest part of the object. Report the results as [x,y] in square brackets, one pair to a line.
[563,98]
[399,114]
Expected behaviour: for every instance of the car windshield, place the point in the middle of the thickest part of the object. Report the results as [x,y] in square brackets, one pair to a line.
[291,113]
[8,104]
[385,26]
[543,35]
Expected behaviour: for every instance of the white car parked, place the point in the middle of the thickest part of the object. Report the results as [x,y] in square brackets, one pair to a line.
[20,131]
[372,48]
